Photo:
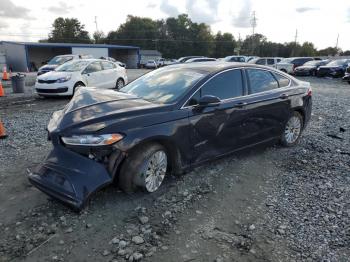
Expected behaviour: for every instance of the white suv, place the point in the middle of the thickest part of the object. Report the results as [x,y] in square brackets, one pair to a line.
[64,80]
[267,61]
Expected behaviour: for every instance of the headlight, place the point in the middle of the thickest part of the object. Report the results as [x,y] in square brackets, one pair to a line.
[92,140]
[63,79]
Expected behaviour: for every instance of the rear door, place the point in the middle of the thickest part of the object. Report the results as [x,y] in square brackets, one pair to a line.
[93,75]
[216,130]
[109,74]
[267,105]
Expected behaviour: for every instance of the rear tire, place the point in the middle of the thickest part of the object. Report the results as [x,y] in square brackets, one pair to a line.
[145,167]
[292,131]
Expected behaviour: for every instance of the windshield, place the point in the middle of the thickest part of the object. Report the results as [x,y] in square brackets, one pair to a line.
[337,62]
[253,61]
[72,66]
[59,60]
[164,85]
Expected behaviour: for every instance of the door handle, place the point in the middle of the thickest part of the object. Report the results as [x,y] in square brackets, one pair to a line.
[241,104]
[284,96]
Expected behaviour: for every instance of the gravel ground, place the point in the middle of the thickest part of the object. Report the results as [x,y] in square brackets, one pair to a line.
[265,204]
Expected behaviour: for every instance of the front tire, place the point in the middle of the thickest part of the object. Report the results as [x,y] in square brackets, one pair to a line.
[144,168]
[77,85]
[120,84]
[292,130]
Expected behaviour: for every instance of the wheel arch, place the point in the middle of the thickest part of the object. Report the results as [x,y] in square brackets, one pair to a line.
[301,111]
[171,148]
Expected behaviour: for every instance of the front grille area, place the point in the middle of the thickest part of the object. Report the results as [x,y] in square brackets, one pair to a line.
[52,91]
[41,81]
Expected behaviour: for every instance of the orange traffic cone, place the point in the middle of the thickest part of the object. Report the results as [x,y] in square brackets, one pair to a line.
[2,92]
[2,131]
[5,76]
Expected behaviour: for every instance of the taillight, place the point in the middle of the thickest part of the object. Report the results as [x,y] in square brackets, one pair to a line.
[309,92]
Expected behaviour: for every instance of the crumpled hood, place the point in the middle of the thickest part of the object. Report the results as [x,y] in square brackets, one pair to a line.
[91,108]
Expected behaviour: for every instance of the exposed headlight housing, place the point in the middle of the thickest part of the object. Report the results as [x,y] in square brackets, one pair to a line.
[63,79]
[92,140]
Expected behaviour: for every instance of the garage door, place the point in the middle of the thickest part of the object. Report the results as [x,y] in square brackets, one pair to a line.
[95,52]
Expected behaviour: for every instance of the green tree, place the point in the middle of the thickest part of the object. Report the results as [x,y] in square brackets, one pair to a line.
[99,37]
[224,44]
[329,51]
[308,49]
[138,31]
[68,30]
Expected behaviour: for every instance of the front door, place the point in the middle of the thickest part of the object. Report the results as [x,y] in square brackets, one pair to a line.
[93,75]
[216,130]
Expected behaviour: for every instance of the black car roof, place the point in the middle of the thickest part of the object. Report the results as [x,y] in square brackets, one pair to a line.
[213,66]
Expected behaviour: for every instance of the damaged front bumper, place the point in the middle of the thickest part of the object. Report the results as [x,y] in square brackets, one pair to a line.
[70,177]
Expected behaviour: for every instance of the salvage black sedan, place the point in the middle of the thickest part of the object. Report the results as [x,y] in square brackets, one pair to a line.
[309,68]
[167,121]
[335,68]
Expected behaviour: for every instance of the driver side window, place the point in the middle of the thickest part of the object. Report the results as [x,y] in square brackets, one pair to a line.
[93,67]
[225,85]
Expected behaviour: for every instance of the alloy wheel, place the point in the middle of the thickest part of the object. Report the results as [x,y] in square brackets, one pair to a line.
[155,170]
[292,130]
[120,84]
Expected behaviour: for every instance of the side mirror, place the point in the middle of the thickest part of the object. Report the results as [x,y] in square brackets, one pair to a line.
[209,100]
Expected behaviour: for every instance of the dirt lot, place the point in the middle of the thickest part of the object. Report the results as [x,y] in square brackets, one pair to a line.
[267,204]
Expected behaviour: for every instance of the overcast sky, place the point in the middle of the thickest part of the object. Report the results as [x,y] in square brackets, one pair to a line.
[318,21]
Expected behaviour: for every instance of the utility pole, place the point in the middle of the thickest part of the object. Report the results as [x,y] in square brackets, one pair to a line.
[96,23]
[253,22]
[295,43]
[336,45]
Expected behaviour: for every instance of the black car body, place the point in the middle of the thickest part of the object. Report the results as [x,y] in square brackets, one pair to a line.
[347,75]
[309,68]
[225,107]
[334,68]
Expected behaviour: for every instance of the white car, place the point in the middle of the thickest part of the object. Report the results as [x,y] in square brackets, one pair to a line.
[85,72]
[236,58]
[151,64]
[267,61]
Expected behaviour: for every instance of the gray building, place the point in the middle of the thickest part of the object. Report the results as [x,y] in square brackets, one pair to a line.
[23,55]
[146,55]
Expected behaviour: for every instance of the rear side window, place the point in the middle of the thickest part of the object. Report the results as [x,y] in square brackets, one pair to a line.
[107,65]
[282,80]
[261,62]
[260,81]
